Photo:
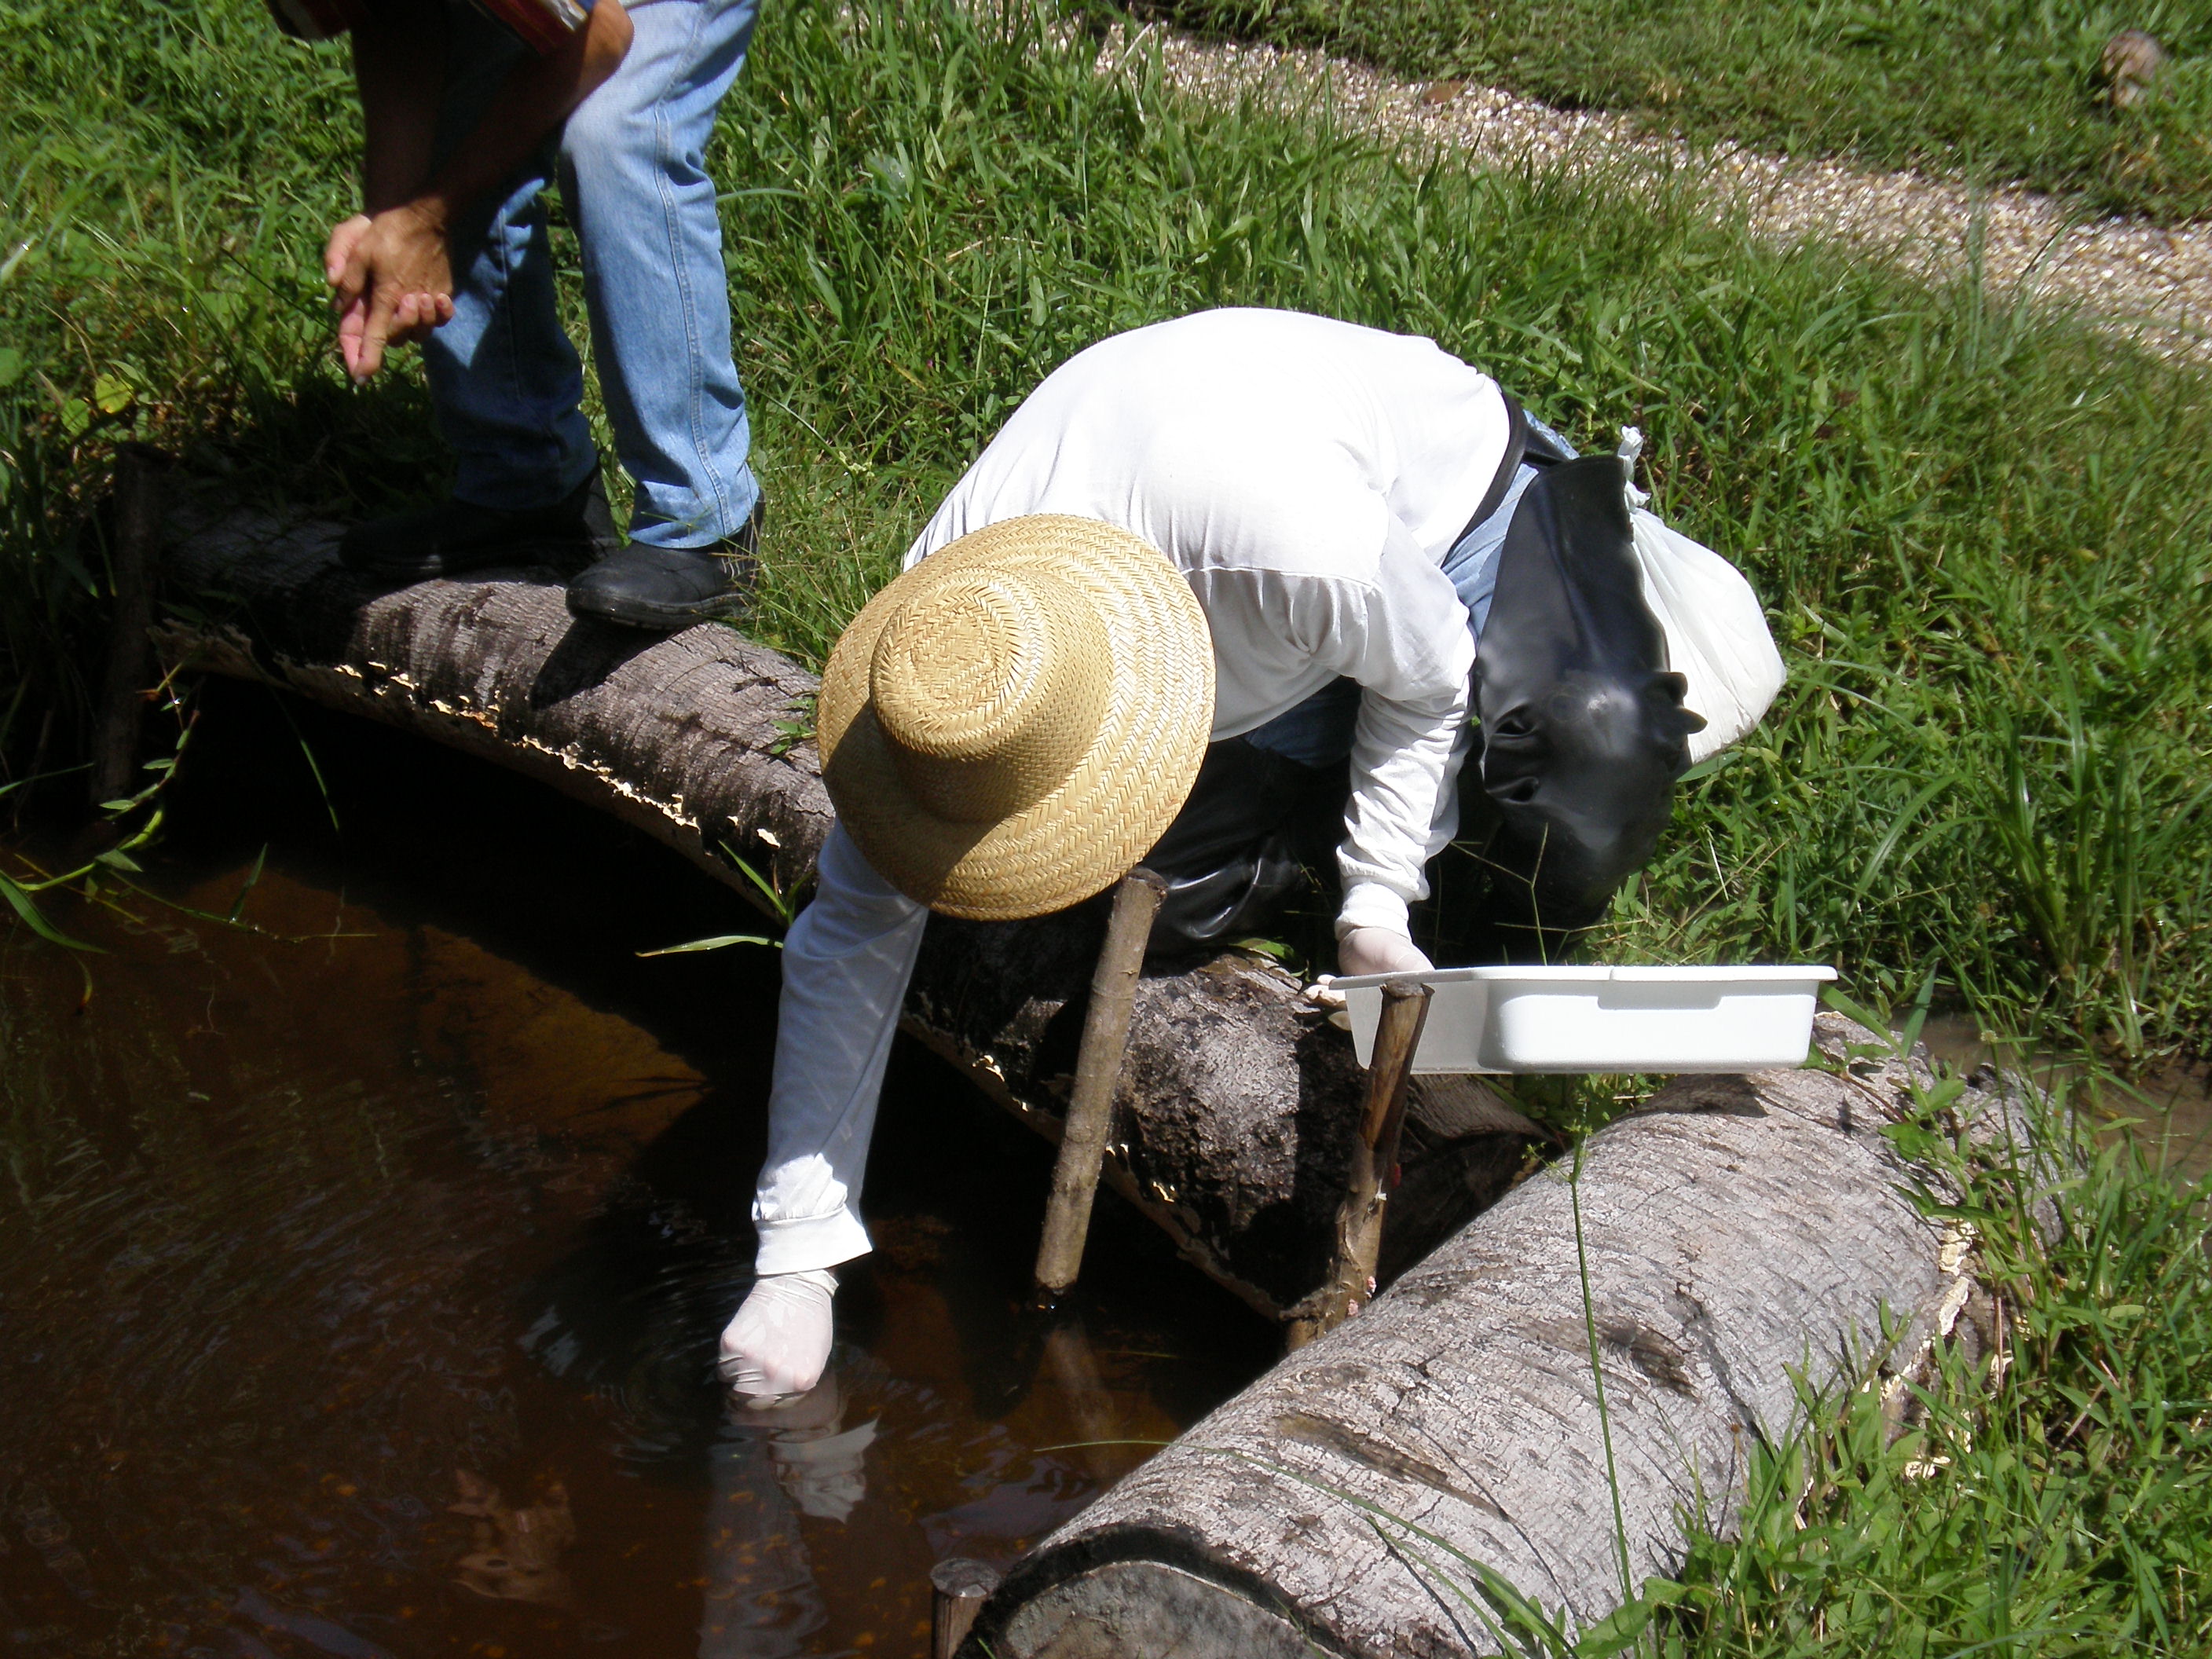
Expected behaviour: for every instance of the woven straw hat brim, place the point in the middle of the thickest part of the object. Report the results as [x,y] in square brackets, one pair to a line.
[1118,799]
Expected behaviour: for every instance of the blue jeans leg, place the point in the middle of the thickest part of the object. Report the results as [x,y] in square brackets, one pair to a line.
[634,174]
[504,379]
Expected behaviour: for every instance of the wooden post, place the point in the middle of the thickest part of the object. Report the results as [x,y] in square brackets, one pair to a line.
[131,558]
[957,1587]
[1374,1161]
[1098,1069]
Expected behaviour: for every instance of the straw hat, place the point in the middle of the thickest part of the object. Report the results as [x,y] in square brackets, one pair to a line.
[1010,725]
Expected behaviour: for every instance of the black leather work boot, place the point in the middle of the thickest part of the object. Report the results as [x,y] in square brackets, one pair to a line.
[454,537]
[665,588]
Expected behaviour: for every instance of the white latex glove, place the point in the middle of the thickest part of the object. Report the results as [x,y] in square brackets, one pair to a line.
[779,1342]
[1377,951]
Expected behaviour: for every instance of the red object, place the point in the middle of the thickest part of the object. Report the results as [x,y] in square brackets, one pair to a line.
[318,20]
[544,25]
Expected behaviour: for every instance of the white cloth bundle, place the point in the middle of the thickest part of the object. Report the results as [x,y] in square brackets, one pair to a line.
[1716,633]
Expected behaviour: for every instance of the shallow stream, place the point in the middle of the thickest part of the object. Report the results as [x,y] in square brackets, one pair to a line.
[360,1275]
[2167,1109]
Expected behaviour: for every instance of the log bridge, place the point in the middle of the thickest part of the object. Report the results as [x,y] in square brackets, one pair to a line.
[1236,1110]
[1549,1393]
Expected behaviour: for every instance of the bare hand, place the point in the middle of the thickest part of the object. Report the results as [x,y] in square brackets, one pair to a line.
[339,248]
[393,282]
[1378,951]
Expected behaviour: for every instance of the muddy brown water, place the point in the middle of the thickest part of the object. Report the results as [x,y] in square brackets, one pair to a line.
[2166,1108]
[360,1277]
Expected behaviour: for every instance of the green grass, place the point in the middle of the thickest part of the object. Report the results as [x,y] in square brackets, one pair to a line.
[2003,90]
[165,171]
[2055,1505]
[2040,1487]
[1982,534]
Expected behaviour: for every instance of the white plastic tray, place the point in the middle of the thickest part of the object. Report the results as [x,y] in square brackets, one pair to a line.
[1603,1019]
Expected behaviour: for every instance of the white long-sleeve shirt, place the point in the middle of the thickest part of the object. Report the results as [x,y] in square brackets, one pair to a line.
[1306,476]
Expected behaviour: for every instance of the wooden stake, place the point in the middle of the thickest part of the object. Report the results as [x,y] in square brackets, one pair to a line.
[1374,1162]
[131,561]
[1097,1070]
[957,1587]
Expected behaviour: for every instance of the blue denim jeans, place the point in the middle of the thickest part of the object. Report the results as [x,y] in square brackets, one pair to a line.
[1471,564]
[505,379]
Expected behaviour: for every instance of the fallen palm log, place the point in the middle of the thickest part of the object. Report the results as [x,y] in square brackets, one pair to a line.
[1740,1234]
[1237,1104]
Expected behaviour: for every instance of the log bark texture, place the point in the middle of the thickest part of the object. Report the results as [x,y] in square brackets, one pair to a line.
[1740,1232]
[1237,1107]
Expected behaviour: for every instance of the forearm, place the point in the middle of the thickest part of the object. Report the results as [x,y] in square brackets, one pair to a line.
[399,66]
[390,268]
[845,964]
[533,101]
[1412,660]
[1405,761]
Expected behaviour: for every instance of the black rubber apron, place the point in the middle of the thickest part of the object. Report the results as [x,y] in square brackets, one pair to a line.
[1581,724]
[1581,735]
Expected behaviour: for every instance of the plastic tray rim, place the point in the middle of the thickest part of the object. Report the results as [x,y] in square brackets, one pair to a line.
[1602,974]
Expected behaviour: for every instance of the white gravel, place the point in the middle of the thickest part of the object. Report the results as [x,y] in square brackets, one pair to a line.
[2132,276]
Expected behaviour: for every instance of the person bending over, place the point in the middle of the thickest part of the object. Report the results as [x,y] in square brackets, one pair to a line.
[468,110]
[1210,573]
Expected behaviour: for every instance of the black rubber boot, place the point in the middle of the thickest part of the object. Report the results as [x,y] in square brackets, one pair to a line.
[454,537]
[665,588]
[1250,827]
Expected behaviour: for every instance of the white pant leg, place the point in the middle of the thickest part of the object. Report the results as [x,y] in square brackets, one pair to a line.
[845,964]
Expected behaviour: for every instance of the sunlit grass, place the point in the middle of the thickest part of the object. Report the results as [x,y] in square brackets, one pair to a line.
[1997,90]
[1981,534]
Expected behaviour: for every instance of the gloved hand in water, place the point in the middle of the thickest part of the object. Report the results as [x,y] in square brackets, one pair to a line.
[1377,951]
[779,1342]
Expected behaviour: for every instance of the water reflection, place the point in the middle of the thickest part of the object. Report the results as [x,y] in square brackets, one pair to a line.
[358,1294]
[2168,1109]
[766,1470]
[519,1546]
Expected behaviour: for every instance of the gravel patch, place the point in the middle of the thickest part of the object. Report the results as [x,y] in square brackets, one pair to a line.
[2151,284]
